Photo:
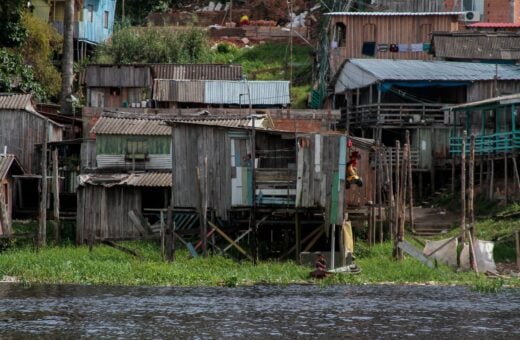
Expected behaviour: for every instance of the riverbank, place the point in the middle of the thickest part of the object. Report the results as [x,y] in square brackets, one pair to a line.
[108,266]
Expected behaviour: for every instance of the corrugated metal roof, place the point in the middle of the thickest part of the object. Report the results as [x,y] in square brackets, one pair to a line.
[504,100]
[236,92]
[262,122]
[145,179]
[357,73]
[118,76]
[181,91]
[197,71]
[6,163]
[16,102]
[493,25]
[149,179]
[458,45]
[130,126]
[395,14]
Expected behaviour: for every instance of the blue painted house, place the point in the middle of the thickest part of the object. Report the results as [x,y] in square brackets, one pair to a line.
[93,19]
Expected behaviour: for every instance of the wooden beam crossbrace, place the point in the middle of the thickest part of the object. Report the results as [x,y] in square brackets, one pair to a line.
[230,240]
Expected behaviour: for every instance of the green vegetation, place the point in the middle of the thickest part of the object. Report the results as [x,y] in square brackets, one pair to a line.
[108,266]
[15,76]
[12,31]
[154,45]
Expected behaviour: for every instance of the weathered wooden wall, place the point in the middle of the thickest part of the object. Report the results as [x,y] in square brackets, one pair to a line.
[386,30]
[410,5]
[104,212]
[20,131]
[191,145]
[480,90]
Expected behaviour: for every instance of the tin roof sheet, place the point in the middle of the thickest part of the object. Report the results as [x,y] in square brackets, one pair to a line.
[357,73]
[477,45]
[197,71]
[6,163]
[13,101]
[130,126]
[236,92]
[145,179]
[393,14]
[504,100]
[261,122]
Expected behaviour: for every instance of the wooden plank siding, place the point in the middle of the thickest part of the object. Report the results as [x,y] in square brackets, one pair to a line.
[20,131]
[382,29]
[104,212]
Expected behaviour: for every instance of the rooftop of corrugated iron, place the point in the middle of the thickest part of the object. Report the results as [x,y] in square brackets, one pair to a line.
[6,162]
[477,45]
[393,14]
[261,121]
[130,126]
[145,179]
[11,101]
[418,70]
[493,25]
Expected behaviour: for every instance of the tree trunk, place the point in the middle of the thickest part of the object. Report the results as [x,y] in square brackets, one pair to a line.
[68,57]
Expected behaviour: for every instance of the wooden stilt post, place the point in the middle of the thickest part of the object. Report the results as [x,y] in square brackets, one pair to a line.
[205,210]
[392,196]
[515,171]
[397,197]
[42,231]
[453,165]
[56,194]
[506,179]
[471,207]
[163,238]
[517,239]
[390,188]
[333,247]
[402,212]
[463,189]
[170,218]
[298,232]
[491,179]
[410,180]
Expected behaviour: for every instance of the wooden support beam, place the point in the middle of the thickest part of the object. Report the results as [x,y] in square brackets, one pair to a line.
[410,181]
[397,197]
[517,242]
[230,240]
[298,234]
[515,171]
[462,192]
[56,195]
[42,229]
[315,232]
[506,179]
[119,247]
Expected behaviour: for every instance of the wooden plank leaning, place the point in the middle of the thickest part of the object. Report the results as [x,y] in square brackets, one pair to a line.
[230,240]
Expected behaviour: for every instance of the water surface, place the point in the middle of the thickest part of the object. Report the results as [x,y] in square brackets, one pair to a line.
[361,312]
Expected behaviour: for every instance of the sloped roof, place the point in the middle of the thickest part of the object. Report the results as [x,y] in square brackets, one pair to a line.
[393,14]
[358,73]
[493,25]
[130,126]
[7,163]
[145,179]
[261,121]
[13,101]
[197,71]
[476,45]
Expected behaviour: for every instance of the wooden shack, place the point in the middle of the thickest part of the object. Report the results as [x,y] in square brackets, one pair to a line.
[384,98]
[385,35]
[9,166]
[132,143]
[22,128]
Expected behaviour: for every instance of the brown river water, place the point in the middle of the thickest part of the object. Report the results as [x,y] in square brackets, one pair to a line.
[258,312]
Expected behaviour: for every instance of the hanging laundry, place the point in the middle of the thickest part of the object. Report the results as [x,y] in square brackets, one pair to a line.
[416,47]
[404,48]
[394,48]
[369,48]
[382,48]
[426,47]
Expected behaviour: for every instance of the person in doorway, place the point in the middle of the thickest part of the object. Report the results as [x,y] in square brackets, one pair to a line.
[352,176]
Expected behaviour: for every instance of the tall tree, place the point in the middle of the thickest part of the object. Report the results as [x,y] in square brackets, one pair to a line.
[67,62]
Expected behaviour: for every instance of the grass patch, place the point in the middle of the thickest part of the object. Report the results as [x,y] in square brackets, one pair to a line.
[108,266]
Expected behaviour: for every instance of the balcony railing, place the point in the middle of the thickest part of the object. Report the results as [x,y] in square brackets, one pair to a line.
[391,157]
[488,144]
[396,114]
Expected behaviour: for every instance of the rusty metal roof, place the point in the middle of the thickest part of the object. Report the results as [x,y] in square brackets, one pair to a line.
[261,122]
[393,14]
[476,45]
[145,179]
[130,126]
[197,71]
[8,162]
[13,101]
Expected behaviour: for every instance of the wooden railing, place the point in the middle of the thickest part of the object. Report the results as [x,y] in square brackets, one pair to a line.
[395,114]
[488,144]
[391,156]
